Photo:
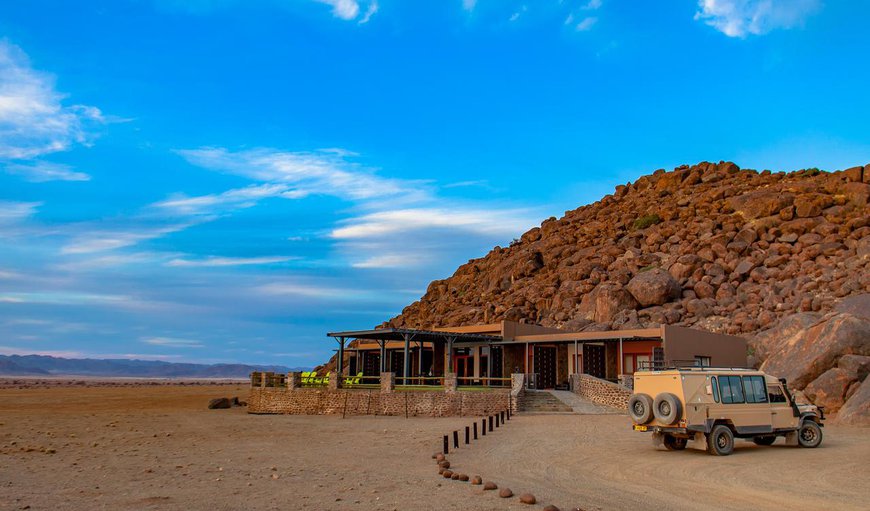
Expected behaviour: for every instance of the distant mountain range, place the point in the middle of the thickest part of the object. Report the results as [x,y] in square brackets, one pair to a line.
[39,365]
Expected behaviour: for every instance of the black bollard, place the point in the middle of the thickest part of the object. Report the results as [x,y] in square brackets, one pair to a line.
[496,420]
[456,439]
[475,430]
[483,427]
[446,450]
[502,416]
[467,440]
[490,423]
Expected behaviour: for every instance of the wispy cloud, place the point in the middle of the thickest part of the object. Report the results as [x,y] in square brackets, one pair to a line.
[99,240]
[239,198]
[739,18]
[213,261]
[172,342]
[13,211]
[42,171]
[34,121]
[350,9]
[468,5]
[382,223]
[327,172]
[586,24]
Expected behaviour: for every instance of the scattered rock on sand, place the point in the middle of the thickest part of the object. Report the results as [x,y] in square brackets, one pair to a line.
[219,403]
[444,464]
[505,493]
[447,474]
[476,480]
[528,498]
[551,507]
[489,485]
[455,476]
[463,477]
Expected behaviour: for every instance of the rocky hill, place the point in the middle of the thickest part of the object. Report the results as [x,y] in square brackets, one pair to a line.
[710,246]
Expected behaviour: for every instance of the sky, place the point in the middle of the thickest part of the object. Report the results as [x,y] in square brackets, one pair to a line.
[228,180]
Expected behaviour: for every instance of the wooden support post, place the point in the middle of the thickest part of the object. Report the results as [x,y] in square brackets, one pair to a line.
[406,372]
[339,363]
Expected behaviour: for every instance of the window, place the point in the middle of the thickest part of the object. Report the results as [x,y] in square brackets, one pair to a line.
[753,387]
[702,361]
[731,388]
[776,395]
[715,384]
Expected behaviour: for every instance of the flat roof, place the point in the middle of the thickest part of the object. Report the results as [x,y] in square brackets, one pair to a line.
[640,333]
[398,334]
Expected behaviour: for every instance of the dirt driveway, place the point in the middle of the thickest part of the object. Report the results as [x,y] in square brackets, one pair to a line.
[159,448]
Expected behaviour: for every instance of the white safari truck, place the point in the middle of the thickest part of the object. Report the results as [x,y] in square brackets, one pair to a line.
[713,406]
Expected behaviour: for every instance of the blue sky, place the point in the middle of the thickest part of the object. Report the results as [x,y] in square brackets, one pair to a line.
[227,180]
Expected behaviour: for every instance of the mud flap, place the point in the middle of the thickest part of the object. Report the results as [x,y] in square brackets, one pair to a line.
[658,440]
[699,442]
[791,439]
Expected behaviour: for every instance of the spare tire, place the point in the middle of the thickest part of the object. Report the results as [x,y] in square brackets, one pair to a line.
[667,408]
[640,408]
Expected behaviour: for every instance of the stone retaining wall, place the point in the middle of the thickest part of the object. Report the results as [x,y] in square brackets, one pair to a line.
[601,391]
[325,401]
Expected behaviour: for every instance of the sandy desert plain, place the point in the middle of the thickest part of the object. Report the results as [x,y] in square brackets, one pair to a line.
[97,446]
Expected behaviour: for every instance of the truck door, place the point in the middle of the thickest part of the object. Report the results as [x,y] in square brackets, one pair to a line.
[781,412]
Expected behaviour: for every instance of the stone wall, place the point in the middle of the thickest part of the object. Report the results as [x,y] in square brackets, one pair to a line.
[601,391]
[324,401]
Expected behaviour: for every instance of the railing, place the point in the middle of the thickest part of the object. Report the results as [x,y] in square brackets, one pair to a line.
[478,382]
[420,383]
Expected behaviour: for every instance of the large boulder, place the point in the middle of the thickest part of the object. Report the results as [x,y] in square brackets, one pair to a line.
[653,287]
[807,354]
[610,300]
[856,411]
[220,402]
[760,204]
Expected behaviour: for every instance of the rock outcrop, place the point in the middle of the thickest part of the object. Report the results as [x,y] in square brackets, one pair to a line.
[710,246]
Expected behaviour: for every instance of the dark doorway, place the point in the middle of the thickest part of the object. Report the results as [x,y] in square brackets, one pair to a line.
[593,360]
[371,363]
[397,362]
[545,367]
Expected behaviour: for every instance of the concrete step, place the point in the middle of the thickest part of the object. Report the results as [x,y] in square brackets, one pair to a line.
[534,401]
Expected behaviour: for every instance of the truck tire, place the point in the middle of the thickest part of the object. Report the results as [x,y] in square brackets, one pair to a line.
[673,443]
[764,440]
[667,408]
[720,441]
[640,408]
[809,434]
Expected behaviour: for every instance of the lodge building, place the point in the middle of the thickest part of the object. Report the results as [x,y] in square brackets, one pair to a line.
[489,354]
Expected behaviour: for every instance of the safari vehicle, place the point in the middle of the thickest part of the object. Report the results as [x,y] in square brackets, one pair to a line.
[713,406]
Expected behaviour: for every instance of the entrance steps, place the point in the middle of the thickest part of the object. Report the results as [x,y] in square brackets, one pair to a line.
[541,401]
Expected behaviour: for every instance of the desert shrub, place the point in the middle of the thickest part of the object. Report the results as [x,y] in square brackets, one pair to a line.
[646,221]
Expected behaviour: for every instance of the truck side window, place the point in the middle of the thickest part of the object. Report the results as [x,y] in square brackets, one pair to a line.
[775,394]
[753,387]
[715,384]
[731,388]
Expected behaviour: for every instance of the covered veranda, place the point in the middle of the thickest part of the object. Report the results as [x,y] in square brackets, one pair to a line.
[426,356]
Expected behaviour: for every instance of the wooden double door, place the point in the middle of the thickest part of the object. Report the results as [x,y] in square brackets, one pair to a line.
[545,367]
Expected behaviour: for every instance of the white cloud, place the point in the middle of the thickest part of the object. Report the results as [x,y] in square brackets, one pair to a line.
[391,261]
[468,5]
[382,223]
[372,9]
[325,172]
[228,261]
[592,5]
[12,212]
[33,119]
[586,24]
[103,240]
[42,171]
[172,342]
[238,198]
[738,18]
[350,9]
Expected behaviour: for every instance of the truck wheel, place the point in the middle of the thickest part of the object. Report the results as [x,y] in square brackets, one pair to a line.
[720,441]
[764,440]
[673,443]
[809,434]
[640,408]
[667,408]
